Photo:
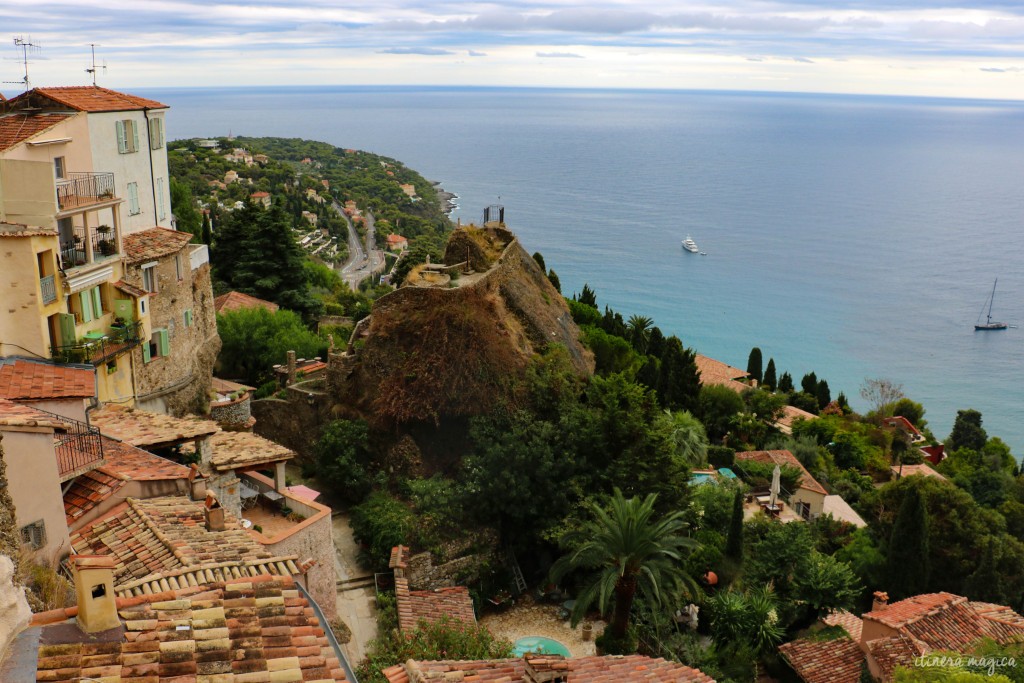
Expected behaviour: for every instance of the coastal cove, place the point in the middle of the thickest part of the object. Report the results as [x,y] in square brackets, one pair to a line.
[852,236]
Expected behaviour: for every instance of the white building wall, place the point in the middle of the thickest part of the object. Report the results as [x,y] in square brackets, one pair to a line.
[146,167]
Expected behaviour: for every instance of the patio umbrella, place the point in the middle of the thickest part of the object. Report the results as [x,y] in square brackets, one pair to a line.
[776,486]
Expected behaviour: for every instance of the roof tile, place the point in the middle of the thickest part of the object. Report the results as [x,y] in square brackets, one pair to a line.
[151,244]
[93,98]
[19,127]
[785,458]
[832,661]
[232,301]
[143,429]
[24,379]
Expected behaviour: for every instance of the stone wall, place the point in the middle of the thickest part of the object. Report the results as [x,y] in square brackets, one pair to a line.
[179,383]
[462,563]
[295,422]
[232,414]
[14,610]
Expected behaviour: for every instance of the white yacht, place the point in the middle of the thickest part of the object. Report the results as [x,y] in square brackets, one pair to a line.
[689,245]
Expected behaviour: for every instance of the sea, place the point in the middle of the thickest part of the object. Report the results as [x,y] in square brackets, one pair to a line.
[853,236]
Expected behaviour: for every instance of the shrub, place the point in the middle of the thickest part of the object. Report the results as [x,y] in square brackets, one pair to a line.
[721,456]
[610,645]
[379,524]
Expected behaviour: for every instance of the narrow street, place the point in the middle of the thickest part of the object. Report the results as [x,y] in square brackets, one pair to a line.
[356,593]
[363,259]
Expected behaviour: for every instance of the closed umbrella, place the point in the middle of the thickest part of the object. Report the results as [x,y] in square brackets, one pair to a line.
[776,485]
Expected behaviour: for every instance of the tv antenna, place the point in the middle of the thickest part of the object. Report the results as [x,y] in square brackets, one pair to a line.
[95,67]
[25,45]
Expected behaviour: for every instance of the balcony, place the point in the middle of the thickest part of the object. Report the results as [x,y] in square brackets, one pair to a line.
[79,447]
[83,189]
[102,347]
[48,287]
[77,246]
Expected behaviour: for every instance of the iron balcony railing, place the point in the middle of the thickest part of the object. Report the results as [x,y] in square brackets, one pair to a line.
[120,339]
[82,189]
[48,287]
[78,446]
[73,250]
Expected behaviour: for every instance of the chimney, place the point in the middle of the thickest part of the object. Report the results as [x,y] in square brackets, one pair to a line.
[880,601]
[94,586]
[213,513]
[196,482]
[291,368]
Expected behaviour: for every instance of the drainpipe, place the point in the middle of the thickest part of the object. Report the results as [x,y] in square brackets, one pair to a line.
[152,180]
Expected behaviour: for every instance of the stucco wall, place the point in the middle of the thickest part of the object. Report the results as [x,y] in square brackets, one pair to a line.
[73,408]
[35,484]
[131,167]
[29,193]
[77,152]
[23,317]
[815,501]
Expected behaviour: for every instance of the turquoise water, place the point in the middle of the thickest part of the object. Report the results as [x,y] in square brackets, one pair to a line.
[853,236]
[541,645]
[726,472]
[701,478]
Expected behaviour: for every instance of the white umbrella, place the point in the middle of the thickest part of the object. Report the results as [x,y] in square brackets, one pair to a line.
[776,486]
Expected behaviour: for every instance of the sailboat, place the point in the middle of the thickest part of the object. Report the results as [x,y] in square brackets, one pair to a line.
[988,324]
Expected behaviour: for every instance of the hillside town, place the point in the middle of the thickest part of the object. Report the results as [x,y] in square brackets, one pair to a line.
[178,505]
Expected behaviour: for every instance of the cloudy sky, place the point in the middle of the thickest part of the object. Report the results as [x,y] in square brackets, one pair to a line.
[956,48]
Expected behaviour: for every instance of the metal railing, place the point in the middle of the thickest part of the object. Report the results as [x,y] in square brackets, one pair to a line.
[48,287]
[77,445]
[120,339]
[80,189]
[73,250]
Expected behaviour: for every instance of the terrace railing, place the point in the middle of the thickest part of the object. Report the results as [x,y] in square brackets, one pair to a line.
[120,339]
[78,446]
[48,287]
[81,189]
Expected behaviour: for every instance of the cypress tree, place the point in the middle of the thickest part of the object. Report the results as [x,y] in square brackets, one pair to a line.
[587,296]
[809,384]
[553,279]
[985,584]
[679,381]
[908,564]
[769,380]
[823,394]
[734,541]
[540,260]
[786,383]
[207,230]
[754,364]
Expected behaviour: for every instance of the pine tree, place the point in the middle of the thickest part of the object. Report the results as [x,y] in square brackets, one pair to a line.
[553,279]
[823,394]
[809,384]
[207,230]
[587,296]
[769,380]
[786,383]
[679,382]
[734,541]
[908,564]
[754,367]
[540,260]
[985,584]
[967,432]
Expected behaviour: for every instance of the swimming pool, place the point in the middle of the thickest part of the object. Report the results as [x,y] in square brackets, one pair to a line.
[539,644]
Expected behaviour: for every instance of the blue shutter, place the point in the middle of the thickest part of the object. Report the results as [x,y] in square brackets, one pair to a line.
[97,302]
[135,136]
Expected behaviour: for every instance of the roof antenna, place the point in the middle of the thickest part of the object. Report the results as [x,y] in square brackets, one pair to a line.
[95,67]
[24,44]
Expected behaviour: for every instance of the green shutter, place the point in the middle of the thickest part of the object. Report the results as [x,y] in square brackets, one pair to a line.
[66,322]
[146,356]
[165,342]
[85,302]
[97,302]
[135,136]
[124,309]
[188,317]
[122,144]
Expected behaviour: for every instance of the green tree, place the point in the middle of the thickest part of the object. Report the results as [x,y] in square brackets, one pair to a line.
[809,384]
[746,619]
[718,407]
[908,566]
[587,296]
[786,383]
[690,440]
[630,551]
[967,432]
[679,380]
[253,340]
[555,282]
[769,381]
[986,584]
[914,412]
[754,367]
[639,332]
[342,455]
[206,234]
[826,584]
[380,523]
[183,206]
[539,258]
[734,542]
[823,394]
[612,354]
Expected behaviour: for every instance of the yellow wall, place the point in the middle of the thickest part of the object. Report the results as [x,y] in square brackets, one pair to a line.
[77,153]
[23,317]
[28,193]
[34,483]
[117,386]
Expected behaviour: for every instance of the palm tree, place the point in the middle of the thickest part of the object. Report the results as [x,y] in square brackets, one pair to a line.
[629,549]
[690,438]
[639,330]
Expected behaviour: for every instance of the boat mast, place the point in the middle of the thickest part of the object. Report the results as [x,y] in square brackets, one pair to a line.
[991,300]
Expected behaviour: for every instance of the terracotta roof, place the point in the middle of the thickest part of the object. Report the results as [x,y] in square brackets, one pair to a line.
[130,289]
[17,415]
[922,469]
[93,98]
[831,661]
[34,380]
[894,651]
[841,511]
[629,669]
[945,621]
[785,458]
[22,230]
[128,462]
[902,423]
[17,128]
[226,386]
[164,541]
[430,606]
[716,372]
[89,490]
[232,301]
[399,554]
[849,621]
[791,414]
[232,450]
[151,244]
[253,629]
[141,428]
[259,195]
[899,614]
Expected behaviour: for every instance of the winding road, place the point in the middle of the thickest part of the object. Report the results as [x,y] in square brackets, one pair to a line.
[363,259]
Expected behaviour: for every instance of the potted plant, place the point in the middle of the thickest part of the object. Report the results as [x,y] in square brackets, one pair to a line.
[104,229]
[107,247]
[587,632]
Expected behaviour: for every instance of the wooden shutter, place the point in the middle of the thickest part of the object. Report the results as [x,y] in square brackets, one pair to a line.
[164,341]
[85,303]
[122,140]
[97,302]
[133,198]
[66,324]
[135,136]
[188,317]
[146,355]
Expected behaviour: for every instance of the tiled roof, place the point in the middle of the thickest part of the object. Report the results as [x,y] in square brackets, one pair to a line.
[141,428]
[22,230]
[841,511]
[151,244]
[226,386]
[849,621]
[232,301]
[164,541]
[89,490]
[598,669]
[399,554]
[431,605]
[34,380]
[832,661]
[791,414]
[130,289]
[17,128]
[232,450]
[922,469]
[128,462]
[899,614]
[716,372]
[895,651]
[95,99]
[902,423]
[251,630]
[17,415]
[785,458]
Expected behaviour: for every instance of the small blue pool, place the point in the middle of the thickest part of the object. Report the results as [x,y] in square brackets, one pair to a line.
[727,473]
[701,478]
[539,644]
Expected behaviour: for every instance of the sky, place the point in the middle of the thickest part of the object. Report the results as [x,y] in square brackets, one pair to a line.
[942,48]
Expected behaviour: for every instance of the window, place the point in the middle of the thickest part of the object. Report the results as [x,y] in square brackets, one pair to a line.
[34,534]
[161,204]
[156,133]
[179,270]
[188,317]
[90,304]
[159,345]
[133,199]
[127,136]
[149,277]
[59,170]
